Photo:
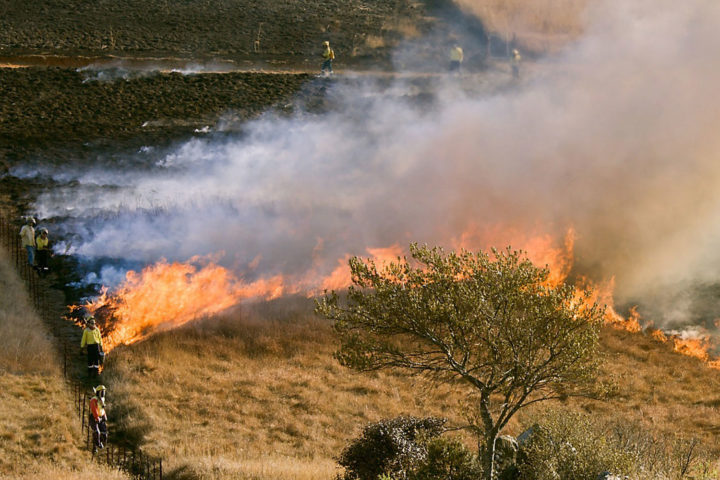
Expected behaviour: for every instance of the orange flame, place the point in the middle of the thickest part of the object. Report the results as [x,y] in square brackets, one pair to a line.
[167,295]
[693,347]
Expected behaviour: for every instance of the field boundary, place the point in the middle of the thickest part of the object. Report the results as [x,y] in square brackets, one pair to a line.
[130,460]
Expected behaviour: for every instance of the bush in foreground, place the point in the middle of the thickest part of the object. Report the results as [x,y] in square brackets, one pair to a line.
[390,447]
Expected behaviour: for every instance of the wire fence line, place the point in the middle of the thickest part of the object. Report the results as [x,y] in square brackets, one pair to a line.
[130,460]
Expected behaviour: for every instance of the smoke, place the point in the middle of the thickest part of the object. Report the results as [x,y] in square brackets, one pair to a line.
[616,138]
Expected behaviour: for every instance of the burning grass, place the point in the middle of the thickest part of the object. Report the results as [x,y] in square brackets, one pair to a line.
[39,432]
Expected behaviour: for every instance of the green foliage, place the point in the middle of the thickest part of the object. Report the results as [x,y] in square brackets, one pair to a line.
[569,445]
[495,323]
[390,447]
[447,459]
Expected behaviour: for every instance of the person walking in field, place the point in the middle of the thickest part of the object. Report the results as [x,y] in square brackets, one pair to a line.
[515,61]
[42,243]
[328,57]
[97,421]
[27,239]
[92,340]
[456,58]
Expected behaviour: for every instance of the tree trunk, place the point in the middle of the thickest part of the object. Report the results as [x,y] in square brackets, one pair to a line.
[488,455]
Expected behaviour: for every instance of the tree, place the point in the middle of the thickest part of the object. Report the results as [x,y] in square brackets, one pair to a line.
[491,322]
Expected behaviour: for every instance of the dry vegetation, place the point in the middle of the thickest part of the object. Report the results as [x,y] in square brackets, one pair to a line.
[258,395]
[537,25]
[39,432]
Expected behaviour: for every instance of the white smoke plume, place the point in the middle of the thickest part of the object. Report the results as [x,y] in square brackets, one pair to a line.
[616,138]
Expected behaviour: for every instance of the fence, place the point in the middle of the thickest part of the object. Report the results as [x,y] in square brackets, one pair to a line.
[131,460]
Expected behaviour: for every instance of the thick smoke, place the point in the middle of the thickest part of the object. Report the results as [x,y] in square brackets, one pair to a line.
[616,138]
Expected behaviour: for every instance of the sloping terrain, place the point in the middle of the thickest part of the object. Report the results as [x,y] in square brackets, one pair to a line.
[40,432]
[263,397]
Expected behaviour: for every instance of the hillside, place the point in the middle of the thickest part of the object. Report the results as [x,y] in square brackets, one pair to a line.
[263,397]
[40,432]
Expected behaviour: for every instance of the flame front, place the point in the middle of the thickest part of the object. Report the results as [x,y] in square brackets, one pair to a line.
[167,295]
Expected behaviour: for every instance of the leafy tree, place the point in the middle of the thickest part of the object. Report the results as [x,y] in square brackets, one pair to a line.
[494,323]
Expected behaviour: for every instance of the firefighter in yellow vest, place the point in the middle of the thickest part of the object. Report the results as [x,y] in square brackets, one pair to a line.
[97,421]
[92,340]
[515,60]
[328,57]
[456,58]
[42,243]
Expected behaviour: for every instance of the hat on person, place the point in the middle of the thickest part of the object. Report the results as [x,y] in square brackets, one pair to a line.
[326,42]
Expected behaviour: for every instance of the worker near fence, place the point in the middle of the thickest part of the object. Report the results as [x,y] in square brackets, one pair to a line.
[97,420]
[328,56]
[456,58]
[92,340]
[42,244]
[27,239]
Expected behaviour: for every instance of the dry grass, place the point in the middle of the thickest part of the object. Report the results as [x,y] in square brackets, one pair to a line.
[257,395]
[538,25]
[667,391]
[39,432]
[26,347]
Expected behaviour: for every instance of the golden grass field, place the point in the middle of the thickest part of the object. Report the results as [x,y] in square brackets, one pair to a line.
[39,432]
[257,394]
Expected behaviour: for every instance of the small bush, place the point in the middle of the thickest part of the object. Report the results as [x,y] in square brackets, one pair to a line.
[447,459]
[392,447]
[572,446]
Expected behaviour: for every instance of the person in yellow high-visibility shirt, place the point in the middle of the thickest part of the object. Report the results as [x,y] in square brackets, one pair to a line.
[42,243]
[97,420]
[515,61]
[328,57]
[456,58]
[92,340]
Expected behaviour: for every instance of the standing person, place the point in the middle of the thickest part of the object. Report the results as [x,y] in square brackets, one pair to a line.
[27,238]
[328,57]
[516,59]
[92,339]
[456,58]
[97,420]
[42,243]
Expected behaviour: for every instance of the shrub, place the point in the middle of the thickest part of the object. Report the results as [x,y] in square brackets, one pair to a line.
[447,459]
[570,445]
[390,447]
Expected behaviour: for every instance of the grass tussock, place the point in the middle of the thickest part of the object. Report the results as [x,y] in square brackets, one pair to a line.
[39,432]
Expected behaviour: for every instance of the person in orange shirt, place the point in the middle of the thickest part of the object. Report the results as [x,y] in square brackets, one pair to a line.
[97,421]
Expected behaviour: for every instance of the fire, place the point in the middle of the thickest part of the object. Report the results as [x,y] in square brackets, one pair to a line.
[693,347]
[167,295]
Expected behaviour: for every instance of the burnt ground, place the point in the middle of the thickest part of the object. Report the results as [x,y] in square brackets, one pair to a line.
[280,30]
